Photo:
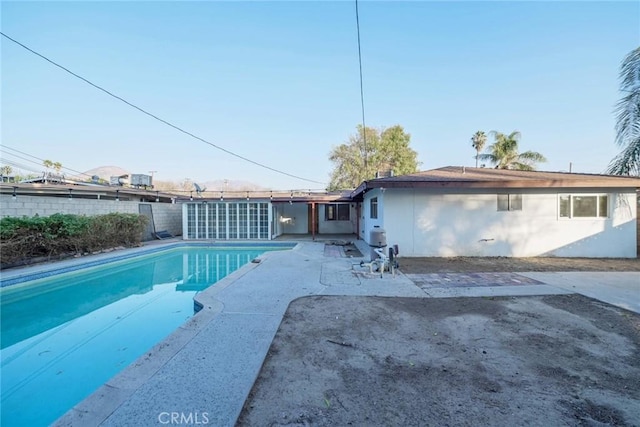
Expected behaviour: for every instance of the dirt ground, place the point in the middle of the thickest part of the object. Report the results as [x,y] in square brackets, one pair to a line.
[504,264]
[501,361]
[501,264]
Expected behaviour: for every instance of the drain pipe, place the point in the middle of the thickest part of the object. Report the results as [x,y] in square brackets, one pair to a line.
[313,221]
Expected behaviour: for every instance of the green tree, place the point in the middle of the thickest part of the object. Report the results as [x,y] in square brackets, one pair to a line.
[384,150]
[6,170]
[504,154]
[628,118]
[57,166]
[478,141]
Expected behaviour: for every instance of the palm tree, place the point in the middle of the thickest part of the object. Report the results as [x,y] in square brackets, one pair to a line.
[628,120]
[478,140]
[504,153]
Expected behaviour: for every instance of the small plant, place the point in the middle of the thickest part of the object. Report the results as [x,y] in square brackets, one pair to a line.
[327,402]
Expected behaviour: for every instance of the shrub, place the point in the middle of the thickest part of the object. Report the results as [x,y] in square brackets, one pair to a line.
[24,240]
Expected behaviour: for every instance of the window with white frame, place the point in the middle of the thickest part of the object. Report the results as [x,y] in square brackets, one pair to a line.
[373,208]
[229,220]
[337,212]
[583,205]
[509,202]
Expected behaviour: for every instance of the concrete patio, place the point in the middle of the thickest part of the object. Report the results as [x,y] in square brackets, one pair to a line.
[207,367]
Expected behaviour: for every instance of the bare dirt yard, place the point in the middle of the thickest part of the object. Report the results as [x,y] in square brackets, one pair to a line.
[562,360]
[504,264]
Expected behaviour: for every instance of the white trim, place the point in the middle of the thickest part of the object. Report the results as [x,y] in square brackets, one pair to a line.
[571,217]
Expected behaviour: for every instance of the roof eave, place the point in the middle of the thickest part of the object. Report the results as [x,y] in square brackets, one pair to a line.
[502,184]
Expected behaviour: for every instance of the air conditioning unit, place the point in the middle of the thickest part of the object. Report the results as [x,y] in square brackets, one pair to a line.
[141,180]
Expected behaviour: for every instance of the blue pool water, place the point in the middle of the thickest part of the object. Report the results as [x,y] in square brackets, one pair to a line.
[64,336]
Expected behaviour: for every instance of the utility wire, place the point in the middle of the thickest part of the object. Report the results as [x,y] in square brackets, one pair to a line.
[20,166]
[4,147]
[158,118]
[364,127]
[215,191]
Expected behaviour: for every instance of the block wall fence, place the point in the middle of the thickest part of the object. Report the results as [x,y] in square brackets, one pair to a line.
[166,216]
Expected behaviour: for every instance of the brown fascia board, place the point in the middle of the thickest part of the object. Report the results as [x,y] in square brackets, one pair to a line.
[312,199]
[359,191]
[275,199]
[630,183]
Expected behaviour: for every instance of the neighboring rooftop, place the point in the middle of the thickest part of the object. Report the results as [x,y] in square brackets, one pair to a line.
[111,192]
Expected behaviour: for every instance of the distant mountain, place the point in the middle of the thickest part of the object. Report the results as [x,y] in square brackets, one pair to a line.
[106,172]
[103,172]
[230,185]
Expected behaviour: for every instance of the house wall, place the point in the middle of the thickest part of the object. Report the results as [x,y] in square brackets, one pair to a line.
[294,219]
[337,227]
[434,223]
[166,216]
[291,218]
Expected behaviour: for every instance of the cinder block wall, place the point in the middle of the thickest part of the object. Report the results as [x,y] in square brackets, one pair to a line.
[166,216]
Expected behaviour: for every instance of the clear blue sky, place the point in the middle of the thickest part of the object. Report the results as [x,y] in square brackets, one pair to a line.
[277,82]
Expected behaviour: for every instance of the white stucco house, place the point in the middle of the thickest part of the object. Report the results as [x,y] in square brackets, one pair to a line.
[458,211]
[450,211]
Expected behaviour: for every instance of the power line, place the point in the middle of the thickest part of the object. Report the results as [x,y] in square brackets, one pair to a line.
[156,117]
[364,127]
[20,166]
[3,147]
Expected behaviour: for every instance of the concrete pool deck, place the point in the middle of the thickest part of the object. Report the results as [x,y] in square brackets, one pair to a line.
[205,370]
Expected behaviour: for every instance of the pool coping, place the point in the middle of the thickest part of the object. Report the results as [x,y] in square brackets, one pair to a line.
[111,394]
[99,405]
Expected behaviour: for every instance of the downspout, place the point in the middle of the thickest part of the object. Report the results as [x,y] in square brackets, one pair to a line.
[313,221]
[358,207]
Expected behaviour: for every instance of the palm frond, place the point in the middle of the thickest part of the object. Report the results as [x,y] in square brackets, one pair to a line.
[630,71]
[522,166]
[627,162]
[532,156]
[504,154]
[515,135]
[628,118]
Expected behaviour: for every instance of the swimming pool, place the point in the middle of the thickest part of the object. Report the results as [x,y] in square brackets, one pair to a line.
[65,335]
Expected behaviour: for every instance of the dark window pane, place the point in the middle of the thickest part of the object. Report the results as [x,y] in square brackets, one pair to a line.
[343,212]
[329,212]
[585,206]
[503,202]
[603,211]
[565,206]
[515,202]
